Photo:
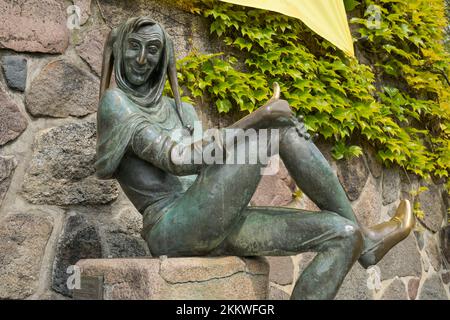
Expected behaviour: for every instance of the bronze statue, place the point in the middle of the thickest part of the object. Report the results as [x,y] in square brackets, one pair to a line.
[211,217]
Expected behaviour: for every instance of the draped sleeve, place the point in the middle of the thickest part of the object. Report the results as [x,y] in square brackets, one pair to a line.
[117,122]
[122,126]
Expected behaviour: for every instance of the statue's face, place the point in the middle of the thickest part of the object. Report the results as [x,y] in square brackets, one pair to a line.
[143,50]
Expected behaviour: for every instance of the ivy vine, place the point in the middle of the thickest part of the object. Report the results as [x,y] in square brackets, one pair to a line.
[397,98]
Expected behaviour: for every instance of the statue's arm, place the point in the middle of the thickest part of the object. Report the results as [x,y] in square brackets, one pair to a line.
[161,150]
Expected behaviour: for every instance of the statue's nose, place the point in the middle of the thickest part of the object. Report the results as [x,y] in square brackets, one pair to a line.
[141,59]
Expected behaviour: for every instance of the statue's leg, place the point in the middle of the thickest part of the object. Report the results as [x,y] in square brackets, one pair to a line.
[271,231]
[313,174]
[316,179]
[202,217]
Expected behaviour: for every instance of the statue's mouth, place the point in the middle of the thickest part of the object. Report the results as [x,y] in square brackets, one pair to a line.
[139,70]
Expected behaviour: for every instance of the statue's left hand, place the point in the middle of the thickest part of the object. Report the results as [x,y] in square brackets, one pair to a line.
[300,127]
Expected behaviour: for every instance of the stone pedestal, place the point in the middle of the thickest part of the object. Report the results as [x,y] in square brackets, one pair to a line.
[174,279]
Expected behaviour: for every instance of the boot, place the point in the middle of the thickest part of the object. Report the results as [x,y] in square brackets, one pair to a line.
[382,237]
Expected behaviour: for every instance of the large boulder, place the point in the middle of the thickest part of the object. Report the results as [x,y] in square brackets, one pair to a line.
[79,240]
[395,291]
[33,26]
[23,238]
[184,28]
[7,166]
[402,261]
[433,289]
[391,185]
[91,47]
[15,72]
[63,89]
[61,170]
[179,278]
[353,174]
[12,121]
[433,207]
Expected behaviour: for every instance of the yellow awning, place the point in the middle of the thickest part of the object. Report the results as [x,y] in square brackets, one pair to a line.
[325,17]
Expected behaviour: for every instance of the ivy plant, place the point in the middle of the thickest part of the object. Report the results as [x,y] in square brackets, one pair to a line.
[397,98]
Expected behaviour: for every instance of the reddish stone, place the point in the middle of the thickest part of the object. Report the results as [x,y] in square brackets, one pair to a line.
[91,48]
[85,8]
[12,121]
[275,190]
[33,26]
[413,287]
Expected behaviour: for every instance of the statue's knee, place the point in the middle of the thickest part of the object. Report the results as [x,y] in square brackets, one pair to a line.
[353,235]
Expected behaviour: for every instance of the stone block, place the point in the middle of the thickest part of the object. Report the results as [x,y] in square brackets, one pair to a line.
[281,270]
[433,289]
[353,175]
[12,121]
[391,186]
[33,26]
[15,71]
[180,278]
[433,206]
[395,291]
[62,172]
[403,260]
[63,89]
[23,239]
[7,166]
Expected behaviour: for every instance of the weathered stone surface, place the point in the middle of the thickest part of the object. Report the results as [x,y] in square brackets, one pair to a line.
[445,277]
[12,121]
[129,221]
[63,89]
[353,175]
[432,252]
[391,186]
[91,46]
[420,239]
[375,166]
[445,244]
[303,261]
[181,278]
[368,207]
[281,270]
[61,171]
[409,184]
[121,245]
[413,287]
[433,289]
[7,167]
[354,286]
[402,261]
[276,190]
[23,238]
[395,291]
[85,8]
[15,71]
[277,294]
[33,26]
[433,206]
[186,30]
[79,240]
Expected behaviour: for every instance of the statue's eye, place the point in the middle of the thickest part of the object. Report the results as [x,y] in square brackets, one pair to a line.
[134,45]
[152,49]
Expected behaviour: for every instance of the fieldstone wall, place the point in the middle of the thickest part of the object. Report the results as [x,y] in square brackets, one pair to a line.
[54,212]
